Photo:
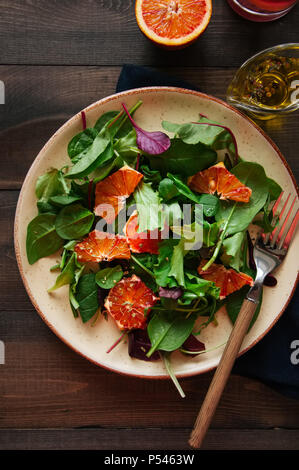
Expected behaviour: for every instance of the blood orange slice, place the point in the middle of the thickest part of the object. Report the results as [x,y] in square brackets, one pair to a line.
[102,246]
[111,193]
[173,23]
[228,280]
[144,242]
[128,303]
[219,179]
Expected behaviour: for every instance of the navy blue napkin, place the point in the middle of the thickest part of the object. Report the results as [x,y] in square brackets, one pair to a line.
[275,359]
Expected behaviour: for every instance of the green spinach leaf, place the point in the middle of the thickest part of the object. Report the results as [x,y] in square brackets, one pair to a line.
[42,239]
[105,119]
[168,330]
[74,222]
[87,296]
[108,277]
[64,199]
[80,142]
[98,153]
[184,159]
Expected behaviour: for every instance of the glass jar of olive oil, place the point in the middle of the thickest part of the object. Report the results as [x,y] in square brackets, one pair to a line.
[267,84]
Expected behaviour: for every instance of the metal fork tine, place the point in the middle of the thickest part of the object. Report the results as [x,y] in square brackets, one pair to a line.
[280,235]
[272,235]
[266,236]
[291,231]
[277,203]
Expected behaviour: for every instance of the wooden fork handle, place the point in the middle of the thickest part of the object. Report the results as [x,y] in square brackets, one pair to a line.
[222,373]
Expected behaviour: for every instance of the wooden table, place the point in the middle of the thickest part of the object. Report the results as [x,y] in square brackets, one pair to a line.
[56,58]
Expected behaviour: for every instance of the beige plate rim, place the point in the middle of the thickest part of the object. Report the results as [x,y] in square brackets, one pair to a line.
[106,100]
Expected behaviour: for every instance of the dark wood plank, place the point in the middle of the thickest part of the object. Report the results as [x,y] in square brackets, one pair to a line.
[105,32]
[45,384]
[13,294]
[146,439]
[47,96]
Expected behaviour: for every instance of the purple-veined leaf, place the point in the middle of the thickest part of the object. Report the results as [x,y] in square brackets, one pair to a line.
[172,293]
[193,345]
[139,344]
[227,129]
[153,143]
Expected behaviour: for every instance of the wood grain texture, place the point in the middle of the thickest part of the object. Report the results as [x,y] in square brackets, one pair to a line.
[146,439]
[105,32]
[45,384]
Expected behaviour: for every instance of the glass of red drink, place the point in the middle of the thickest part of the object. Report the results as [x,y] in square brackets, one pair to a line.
[262,10]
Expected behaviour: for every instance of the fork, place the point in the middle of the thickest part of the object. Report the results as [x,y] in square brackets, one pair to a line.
[269,252]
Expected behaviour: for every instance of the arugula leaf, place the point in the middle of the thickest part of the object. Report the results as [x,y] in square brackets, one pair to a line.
[209,202]
[108,277]
[201,287]
[162,267]
[87,296]
[210,133]
[210,233]
[126,148]
[42,239]
[168,330]
[150,176]
[240,215]
[148,207]
[232,250]
[68,273]
[171,214]
[50,184]
[184,159]
[182,188]
[192,133]
[177,263]
[74,222]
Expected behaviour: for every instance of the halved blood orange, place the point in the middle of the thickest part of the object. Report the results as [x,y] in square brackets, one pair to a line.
[111,193]
[228,280]
[218,179]
[173,24]
[144,242]
[102,246]
[128,303]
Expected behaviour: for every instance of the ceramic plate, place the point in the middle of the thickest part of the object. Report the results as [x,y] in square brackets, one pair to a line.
[162,103]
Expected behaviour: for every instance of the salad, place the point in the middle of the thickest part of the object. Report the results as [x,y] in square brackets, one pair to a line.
[153,231]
